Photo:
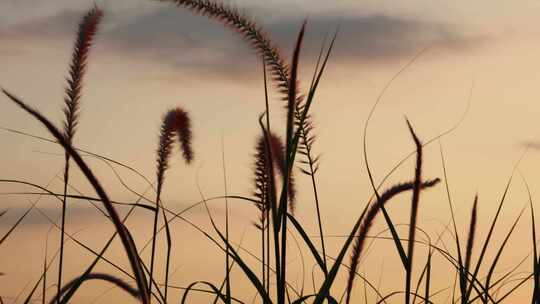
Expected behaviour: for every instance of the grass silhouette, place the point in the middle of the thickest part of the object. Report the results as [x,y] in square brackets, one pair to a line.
[275,161]
[87,30]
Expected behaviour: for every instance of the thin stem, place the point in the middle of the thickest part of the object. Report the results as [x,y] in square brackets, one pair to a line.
[267,209]
[227,262]
[169,248]
[154,232]
[63,224]
[263,265]
[319,221]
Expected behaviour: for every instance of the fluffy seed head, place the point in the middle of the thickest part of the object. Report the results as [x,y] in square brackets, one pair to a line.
[176,123]
[87,30]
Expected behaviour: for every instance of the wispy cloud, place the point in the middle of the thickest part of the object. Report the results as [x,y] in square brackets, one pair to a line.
[176,39]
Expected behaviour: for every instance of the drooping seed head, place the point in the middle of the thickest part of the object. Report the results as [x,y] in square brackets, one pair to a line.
[176,123]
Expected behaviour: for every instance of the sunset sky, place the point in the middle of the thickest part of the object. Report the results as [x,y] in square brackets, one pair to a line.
[481,61]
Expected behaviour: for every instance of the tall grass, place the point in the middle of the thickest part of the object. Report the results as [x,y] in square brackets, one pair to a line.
[176,123]
[275,195]
[85,35]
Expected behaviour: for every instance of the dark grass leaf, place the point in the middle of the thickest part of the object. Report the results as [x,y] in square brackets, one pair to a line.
[307,240]
[463,276]
[285,197]
[536,270]
[386,196]
[102,277]
[123,232]
[329,281]
[489,235]
[470,237]
[395,236]
[304,127]
[499,253]
[212,286]
[368,222]
[223,283]
[236,257]
[395,293]
[331,300]
[428,279]
[249,273]
[424,272]
[414,211]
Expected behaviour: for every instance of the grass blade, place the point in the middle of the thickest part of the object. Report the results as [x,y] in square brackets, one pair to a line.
[498,255]
[414,211]
[386,196]
[307,240]
[122,231]
[102,277]
[428,279]
[536,262]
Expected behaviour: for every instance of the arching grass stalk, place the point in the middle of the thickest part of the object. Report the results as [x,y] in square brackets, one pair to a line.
[368,222]
[127,241]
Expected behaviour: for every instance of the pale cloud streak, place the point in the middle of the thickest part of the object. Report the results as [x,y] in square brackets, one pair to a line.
[173,38]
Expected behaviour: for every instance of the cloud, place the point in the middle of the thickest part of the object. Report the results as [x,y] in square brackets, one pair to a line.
[180,38]
[375,37]
[184,43]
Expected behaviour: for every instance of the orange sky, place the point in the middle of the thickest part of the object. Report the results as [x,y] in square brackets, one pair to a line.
[149,57]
